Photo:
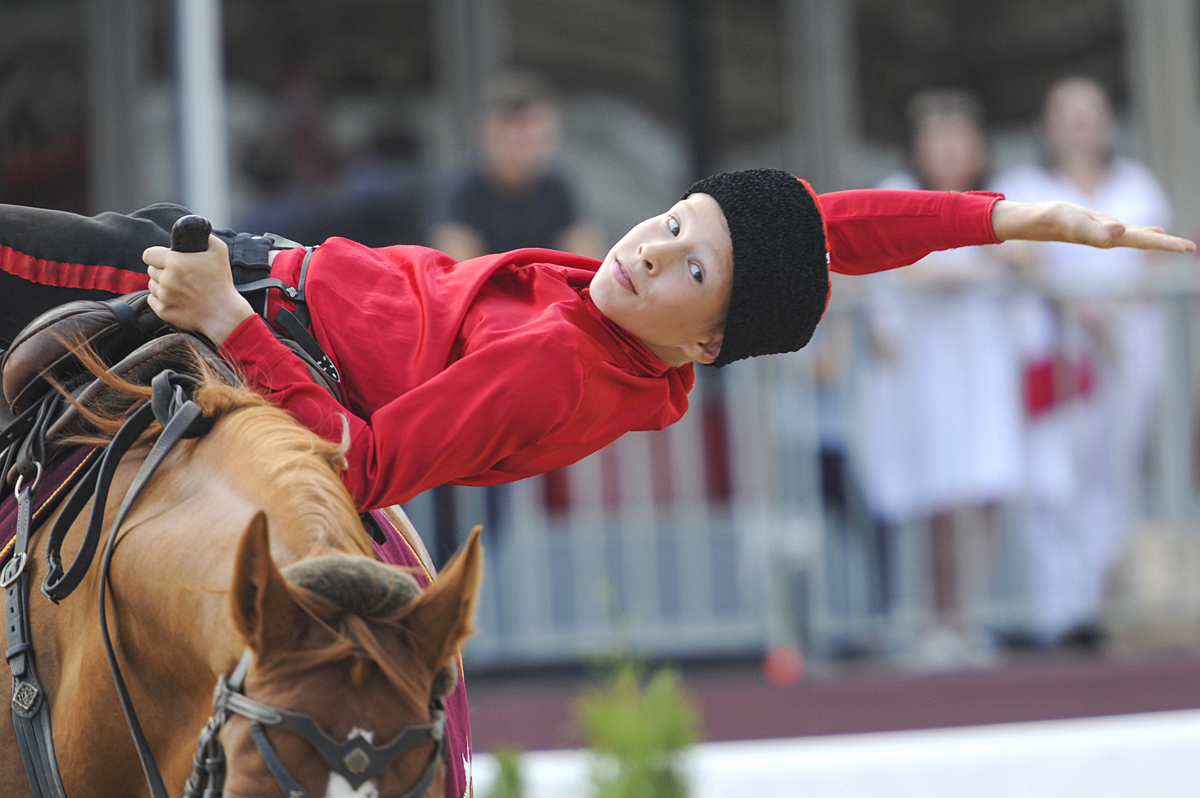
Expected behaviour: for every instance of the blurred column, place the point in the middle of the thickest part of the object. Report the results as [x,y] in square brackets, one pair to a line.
[472,44]
[821,92]
[1165,89]
[203,120]
[1165,92]
[694,76]
[114,74]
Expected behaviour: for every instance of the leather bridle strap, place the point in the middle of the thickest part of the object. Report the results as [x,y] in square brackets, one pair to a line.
[30,710]
[354,759]
[291,788]
[59,584]
[181,418]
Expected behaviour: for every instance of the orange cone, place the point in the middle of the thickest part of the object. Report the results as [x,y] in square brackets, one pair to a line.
[783,666]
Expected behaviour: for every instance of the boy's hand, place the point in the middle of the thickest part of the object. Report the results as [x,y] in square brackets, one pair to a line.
[1062,221]
[194,290]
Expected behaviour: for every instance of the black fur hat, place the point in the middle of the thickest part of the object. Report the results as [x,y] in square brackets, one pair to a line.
[780,265]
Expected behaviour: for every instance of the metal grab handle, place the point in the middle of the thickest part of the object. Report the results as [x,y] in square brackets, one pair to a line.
[190,234]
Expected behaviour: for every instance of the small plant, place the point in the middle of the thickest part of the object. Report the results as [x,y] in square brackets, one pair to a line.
[508,783]
[638,733]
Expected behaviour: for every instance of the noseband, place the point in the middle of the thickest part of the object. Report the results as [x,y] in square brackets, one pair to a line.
[356,759]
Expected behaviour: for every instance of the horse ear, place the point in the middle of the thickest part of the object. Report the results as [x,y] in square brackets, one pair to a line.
[261,604]
[440,619]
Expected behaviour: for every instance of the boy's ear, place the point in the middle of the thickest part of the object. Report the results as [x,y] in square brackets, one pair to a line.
[705,351]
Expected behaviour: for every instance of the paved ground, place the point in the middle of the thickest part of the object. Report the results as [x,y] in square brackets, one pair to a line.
[1150,754]
[533,711]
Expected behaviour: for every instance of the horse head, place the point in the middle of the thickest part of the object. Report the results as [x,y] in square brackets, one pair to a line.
[357,647]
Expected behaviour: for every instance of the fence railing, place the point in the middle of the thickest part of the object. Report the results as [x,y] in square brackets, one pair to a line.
[709,538]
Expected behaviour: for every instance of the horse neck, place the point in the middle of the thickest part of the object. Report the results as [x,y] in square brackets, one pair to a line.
[181,560]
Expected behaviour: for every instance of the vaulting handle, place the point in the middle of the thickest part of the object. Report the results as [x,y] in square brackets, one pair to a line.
[190,234]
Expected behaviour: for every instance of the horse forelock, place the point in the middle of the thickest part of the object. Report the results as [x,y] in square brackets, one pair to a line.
[358,599]
[367,588]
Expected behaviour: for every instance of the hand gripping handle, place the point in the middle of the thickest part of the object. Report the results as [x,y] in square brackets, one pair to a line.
[190,234]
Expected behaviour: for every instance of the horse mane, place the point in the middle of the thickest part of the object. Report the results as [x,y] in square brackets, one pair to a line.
[346,595]
[291,459]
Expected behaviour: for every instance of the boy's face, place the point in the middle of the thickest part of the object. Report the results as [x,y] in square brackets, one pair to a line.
[668,281]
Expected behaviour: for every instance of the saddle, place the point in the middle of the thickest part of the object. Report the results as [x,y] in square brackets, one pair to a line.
[44,352]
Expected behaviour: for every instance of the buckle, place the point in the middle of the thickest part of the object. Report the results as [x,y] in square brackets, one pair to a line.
[21,478]
[13,570]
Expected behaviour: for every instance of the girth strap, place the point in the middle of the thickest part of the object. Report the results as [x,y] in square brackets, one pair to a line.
[181,418]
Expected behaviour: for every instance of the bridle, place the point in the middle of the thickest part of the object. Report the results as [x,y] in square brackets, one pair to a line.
[355,759]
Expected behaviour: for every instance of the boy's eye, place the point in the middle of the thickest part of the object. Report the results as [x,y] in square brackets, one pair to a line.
[697,272]
[673,225]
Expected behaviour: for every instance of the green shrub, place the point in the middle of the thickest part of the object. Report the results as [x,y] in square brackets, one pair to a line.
[508,782]
[638,730]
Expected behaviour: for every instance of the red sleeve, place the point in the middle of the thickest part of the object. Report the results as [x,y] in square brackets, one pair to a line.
[872,230]
[482,408]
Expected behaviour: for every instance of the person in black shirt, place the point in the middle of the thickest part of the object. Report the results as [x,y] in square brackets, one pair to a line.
[512,197]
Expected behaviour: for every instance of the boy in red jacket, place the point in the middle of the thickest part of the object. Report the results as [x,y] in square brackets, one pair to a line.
[510,365]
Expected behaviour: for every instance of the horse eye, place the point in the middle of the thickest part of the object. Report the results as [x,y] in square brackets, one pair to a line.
[673,225]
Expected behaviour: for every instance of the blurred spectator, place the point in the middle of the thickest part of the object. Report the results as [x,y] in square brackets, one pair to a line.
[314,191]
[1094,359]
[857,547]
[512,197]
[942,400]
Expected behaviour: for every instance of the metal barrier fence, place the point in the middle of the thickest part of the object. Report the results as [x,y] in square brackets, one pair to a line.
[709,538]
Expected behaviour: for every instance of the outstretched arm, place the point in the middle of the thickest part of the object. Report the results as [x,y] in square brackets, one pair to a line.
[872,230]
[1062,221]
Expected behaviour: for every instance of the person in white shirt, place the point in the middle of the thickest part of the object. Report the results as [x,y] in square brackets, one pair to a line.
[1104,341]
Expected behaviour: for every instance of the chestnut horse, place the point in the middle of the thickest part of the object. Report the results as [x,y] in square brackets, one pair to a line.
[245,540]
